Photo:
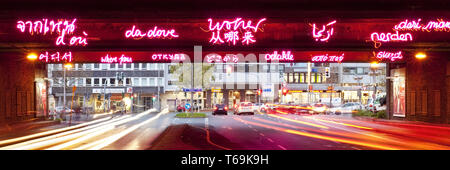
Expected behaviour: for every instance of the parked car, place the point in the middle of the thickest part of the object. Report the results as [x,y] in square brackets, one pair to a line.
[244,108]
[220,109]
[319,108]
[181,108]
[377,105]
[60,109]
[346,108]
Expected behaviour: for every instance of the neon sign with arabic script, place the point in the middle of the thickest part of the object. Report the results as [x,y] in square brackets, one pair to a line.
[319,34]
[231,30]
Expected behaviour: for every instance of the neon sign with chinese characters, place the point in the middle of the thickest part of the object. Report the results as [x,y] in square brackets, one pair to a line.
[218,58]
[168,57]
[327,58]
[382,55]
[414,25]
[60,27]
[283,56]
[319,34]
[231,31]
[115,59]
[55,57]
[152,33]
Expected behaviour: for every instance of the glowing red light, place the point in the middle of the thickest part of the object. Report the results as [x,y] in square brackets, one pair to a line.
[319,35]
[232,34]
[389,55]
[328,58]
[153,33]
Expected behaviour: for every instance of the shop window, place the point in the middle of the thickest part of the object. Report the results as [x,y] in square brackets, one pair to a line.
[313,77]
[296,77]
[302,77]
[291,77]
[285,77]
[319,77]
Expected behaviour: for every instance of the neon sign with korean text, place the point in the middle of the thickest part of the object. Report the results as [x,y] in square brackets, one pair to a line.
[230,32]
[55,57]
[318,34]
[152,33]
[283,56]
[384,55]
[115,59]
[327,58]
[61,27]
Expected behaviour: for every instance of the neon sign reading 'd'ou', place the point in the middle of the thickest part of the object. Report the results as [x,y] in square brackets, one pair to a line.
[61,27]
[231,30]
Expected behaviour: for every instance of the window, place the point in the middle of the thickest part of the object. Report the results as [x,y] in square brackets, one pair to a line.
[144,82]
[136,82]
[359,70]
[313,77]
[319,77]
[285,77]
[128,81]
[96,66]
[302,77]
[152,81]
[96,82]
[160,81]
[88,82]
[349,70]
[296,78]
[128,66]
[291,77]
[112,81]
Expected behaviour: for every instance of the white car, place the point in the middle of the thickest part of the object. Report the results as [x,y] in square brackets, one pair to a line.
[244,108]
[377,104]
[59,109]
[346,108]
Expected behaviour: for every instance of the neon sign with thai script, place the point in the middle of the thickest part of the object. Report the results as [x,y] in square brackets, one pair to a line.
[152,33]
[55,57]
[168,57]
[231,31]
[283,56]
[115,59]
[218,58]
[382,55]
[61,27]
[327,58]
[414,25]
[319,34]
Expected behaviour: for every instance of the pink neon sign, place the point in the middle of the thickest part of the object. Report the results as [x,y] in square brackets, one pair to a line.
[328,58]
[115,59]
[377,38]
[414,25]
[389,55]
[218,58]
[168,57]
[55,57]
[283,56]
[153,33]
[60,27]
[319,35]
[231,31]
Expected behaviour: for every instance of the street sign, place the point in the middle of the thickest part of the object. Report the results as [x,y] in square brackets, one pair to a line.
[187,106]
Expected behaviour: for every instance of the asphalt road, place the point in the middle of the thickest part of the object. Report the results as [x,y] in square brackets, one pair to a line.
[278,131]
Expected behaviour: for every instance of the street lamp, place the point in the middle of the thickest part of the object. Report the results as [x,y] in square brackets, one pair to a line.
[67,66]
[421,55]
[32,56]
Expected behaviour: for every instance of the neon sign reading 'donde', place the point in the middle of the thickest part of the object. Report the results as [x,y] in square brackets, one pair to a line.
[283,56]
[115,59]
[414,25]
[231,31]
[55,57]
[389,55]
[61,27]
[327,58]
[153,33]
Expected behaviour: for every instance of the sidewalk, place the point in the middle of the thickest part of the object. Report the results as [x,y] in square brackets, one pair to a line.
[25,126]
[364,118]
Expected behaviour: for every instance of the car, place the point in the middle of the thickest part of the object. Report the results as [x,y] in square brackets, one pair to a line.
[256,106]
[220,109]
[181,108]
[319,108]
[377,105]
[244,108]
[60,109]
[302,109]
[346,108]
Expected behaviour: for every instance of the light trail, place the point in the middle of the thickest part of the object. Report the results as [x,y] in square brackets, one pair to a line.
[298,121]
[345,124]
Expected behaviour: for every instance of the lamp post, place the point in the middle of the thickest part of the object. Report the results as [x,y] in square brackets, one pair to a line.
[67,66]
[374,67]
[359,78]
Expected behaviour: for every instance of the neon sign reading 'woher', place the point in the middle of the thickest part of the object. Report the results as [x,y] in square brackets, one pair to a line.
[61,27]
[229,31]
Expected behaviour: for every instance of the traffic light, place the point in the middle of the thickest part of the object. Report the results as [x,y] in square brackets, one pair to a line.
[259,91]
[284,91]
[153,98]
[327,72]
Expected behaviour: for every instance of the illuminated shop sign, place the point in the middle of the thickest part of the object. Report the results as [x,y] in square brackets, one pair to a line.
[323,34]
[219,59]
[152,33]
[116,59]
[414,25]
[61,27]
[234,31]
[384,55]
[327,58]
[55,57]
[377,38]
[283,56]
[168,57]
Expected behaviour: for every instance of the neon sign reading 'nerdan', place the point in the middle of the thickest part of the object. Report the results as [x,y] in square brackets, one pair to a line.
[327,58]
[319,35]
[231,31]
[152,33]
[115,59]
[284,56]
[389,55]
[168,57]
[60,27]
[55,57]
[414,25]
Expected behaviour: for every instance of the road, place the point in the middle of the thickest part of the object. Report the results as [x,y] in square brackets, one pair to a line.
[275,131]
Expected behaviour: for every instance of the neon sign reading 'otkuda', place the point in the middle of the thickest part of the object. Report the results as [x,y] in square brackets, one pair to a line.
[152,33]
[60,27]
[168,57]
[231,31]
